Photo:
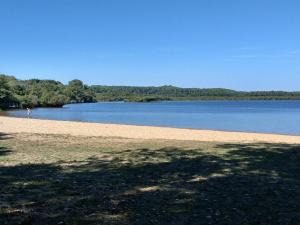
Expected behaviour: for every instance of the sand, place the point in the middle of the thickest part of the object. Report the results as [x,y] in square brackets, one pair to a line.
[10,125]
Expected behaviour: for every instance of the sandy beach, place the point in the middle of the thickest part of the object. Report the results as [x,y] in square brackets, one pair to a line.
[24,125]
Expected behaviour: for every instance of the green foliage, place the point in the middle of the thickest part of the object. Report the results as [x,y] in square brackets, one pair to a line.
[75,91]
[50,93]
[6,97]
[29,101]
[78,92]
[42,93]
[146,94]
[53,100]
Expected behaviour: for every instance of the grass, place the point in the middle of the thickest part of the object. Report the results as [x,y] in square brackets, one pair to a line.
[50,179]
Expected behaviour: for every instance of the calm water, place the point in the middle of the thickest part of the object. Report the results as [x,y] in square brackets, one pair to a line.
[257,116]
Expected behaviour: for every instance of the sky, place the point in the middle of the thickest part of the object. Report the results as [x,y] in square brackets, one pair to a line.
[236,44]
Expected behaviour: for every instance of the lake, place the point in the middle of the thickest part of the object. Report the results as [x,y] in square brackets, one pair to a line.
[282,117]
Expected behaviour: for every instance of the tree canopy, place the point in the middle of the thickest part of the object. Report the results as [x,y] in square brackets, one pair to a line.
[50,93]
[145,94]
[6,96]
[42,93]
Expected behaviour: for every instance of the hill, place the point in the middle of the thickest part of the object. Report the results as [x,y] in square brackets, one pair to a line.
[145,94]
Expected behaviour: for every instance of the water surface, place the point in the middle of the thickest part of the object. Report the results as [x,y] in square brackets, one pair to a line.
[282,117]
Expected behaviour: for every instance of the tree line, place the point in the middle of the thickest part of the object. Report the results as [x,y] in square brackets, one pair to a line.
[15,93]
[31,93]
[145,94]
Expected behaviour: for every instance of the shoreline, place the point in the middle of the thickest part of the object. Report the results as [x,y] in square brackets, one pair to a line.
[88,129]
[135,125]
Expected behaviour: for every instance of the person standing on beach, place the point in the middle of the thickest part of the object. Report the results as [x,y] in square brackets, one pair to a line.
[28,112]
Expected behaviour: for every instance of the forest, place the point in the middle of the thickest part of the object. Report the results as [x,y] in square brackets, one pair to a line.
[32,93]
[15,93]
[147,94]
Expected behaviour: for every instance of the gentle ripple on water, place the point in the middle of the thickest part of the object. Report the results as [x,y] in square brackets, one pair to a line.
[281,117]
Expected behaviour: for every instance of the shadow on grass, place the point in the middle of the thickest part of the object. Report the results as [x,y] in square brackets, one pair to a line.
[4,150]
[4,136]
[246,184]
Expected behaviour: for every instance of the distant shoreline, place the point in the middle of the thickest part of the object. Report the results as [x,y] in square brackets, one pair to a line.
[199,99]
[184,99]
[172,100]
[50,93]
[24,125]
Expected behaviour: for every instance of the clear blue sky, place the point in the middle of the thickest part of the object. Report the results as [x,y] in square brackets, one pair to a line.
[238,44]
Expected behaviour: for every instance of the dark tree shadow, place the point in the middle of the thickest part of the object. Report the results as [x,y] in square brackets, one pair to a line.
[4,150]
[4,136]
[248,184]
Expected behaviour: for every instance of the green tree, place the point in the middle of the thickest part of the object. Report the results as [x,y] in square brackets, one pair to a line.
[30,101]
[89,94]
[78,92]
[50,99]
[75,91]
[6,97]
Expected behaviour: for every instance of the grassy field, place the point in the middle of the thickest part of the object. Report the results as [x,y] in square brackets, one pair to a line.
[49,179]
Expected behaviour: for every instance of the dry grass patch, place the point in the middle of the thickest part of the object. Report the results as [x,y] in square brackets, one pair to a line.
[55,179]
